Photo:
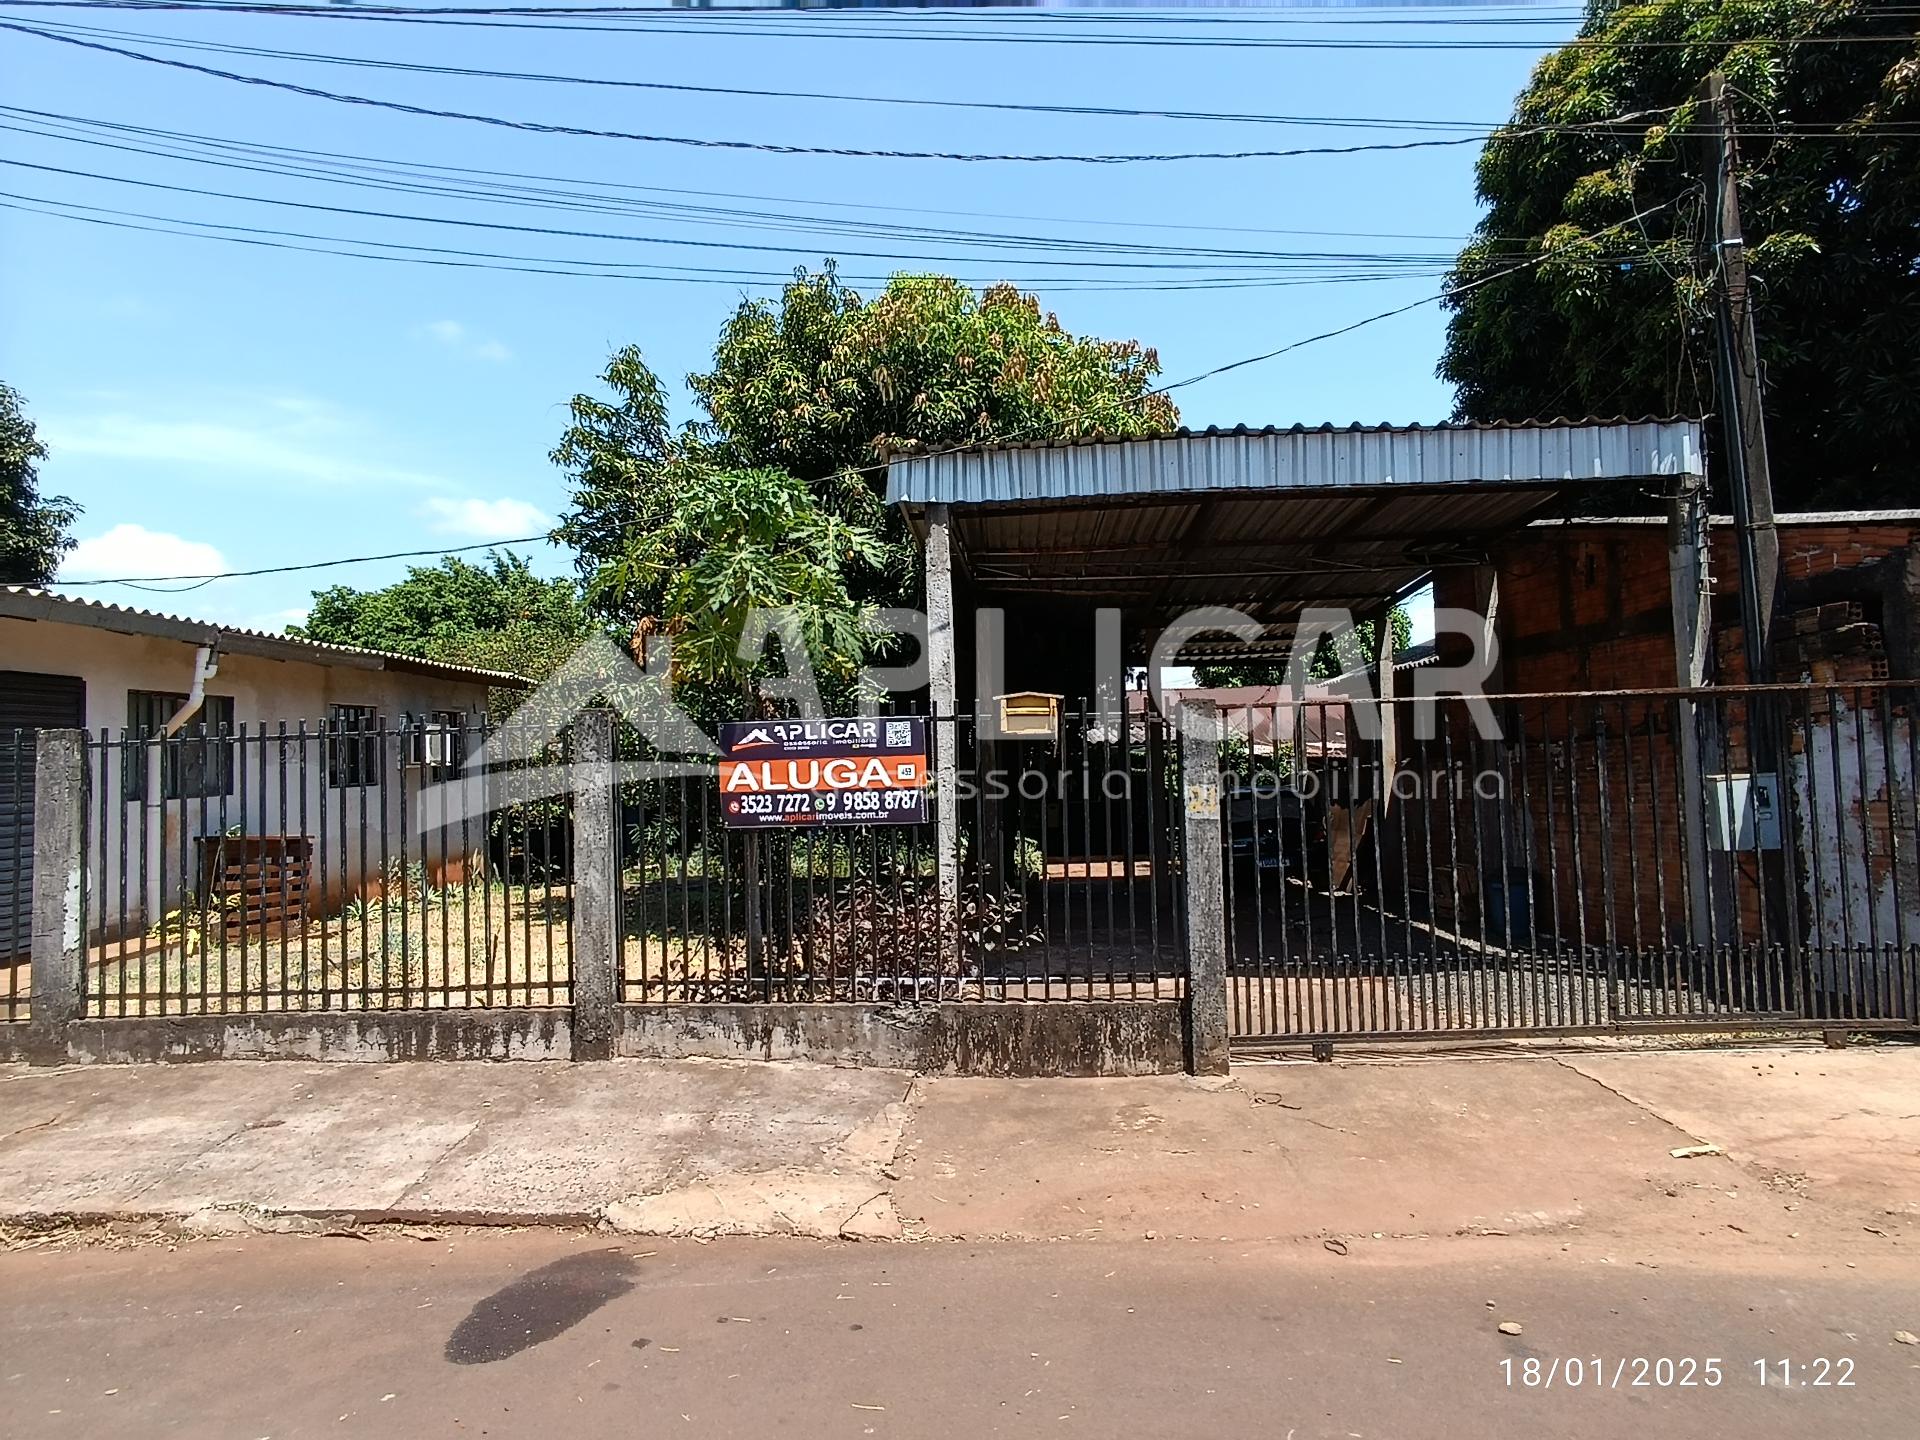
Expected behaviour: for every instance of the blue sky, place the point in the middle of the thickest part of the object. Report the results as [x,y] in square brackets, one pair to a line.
[215,406]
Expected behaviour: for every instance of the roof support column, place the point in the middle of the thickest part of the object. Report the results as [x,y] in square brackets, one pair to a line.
[1389,742]
[943,690]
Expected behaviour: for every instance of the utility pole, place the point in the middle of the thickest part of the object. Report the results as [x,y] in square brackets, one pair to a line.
[1737,366]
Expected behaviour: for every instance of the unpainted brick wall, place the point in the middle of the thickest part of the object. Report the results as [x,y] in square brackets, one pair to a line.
[1586,607]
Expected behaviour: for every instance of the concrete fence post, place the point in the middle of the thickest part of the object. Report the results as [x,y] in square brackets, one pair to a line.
[1206,905]
[59,811]
[596,887]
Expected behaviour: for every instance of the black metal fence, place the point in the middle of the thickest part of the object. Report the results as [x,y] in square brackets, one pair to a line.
[16,872]
[1061,885]
[350,865]
[1576,862]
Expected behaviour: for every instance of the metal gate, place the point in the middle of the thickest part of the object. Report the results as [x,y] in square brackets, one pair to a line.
[28,703]
[1570,863]
[1064,883]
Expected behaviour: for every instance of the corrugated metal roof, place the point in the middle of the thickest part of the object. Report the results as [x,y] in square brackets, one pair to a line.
[1213,460]
[22,602]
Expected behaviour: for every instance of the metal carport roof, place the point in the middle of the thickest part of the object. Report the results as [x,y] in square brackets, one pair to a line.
[1267,521]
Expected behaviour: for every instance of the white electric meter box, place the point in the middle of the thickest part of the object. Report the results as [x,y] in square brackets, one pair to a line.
[1743,812]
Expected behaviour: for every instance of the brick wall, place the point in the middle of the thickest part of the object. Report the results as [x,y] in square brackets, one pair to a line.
[1585,606]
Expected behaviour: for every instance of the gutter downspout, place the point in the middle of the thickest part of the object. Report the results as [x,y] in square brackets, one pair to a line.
[206,664]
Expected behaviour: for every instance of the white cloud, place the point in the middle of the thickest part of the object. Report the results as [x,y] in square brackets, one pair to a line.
[284,436]
[455,336]
[134,550]
[503,519]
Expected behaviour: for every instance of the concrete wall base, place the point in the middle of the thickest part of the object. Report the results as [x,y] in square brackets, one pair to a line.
[956,1038]
[523,1034]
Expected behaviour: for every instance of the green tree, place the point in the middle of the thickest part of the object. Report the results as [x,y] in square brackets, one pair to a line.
[737,542]
[823,386]
[496,615]
[1330,658]
[1621,324]
[34,530]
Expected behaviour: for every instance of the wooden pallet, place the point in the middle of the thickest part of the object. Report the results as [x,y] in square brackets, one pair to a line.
[268,874]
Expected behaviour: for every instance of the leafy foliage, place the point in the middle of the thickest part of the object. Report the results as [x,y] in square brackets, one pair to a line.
[736,542]
[33,530]
[820,388]
[496,615]
[1621,324]
[829,381]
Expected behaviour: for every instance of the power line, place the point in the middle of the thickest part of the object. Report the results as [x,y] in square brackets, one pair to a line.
[276,239]
[558,231]
[1336,122]
[1001,439]
[405,182]
[459,172]
[209,578]
[762,146]
[1355,122]
[839,25]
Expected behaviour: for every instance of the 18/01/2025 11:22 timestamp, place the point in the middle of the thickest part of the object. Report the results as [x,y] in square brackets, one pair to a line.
[1665,1372]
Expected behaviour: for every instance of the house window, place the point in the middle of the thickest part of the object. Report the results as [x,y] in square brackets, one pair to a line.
[448,750]
[353,746]
[195,764]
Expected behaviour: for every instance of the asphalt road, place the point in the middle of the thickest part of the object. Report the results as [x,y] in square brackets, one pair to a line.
[556,1336]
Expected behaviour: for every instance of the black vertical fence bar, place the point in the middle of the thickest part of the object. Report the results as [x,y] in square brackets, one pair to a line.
[1841,965]
[1460,978]
[1086,848]
[1632,995]
[307,872]
[1440,997]
[1891,955]
[1662,1002]
[1813,972]
[1133,853]
[289,848]
[1579,1010]
[13,750]
[230,886]
[1605,1013]
[1910,952]
[1871,957]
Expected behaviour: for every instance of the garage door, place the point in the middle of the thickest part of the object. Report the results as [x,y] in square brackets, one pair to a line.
[28,702]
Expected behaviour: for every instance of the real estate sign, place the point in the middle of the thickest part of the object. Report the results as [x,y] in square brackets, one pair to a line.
[855,770]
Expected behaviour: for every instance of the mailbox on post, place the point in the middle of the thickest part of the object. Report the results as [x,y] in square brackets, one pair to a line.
[1029,715]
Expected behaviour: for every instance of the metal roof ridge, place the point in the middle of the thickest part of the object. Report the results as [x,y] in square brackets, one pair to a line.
[1325,427]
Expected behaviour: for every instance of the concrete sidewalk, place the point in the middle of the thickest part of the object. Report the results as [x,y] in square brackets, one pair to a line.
[1821,1148]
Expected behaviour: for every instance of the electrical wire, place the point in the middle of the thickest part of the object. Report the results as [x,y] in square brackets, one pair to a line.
[929,26]
[403,181]
[142,581]
[617,197]
[536,265]
[1005,438]
[761,146]
[573,234]
[1339,122]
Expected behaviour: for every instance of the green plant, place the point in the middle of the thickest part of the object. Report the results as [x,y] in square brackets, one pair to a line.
[189,926]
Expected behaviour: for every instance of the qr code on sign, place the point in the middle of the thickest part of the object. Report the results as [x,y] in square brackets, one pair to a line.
[899,732]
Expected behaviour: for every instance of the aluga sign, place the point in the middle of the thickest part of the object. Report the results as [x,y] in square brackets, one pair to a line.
[850,771]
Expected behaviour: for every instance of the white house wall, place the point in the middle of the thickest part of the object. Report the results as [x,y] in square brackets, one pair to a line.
[265,692]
